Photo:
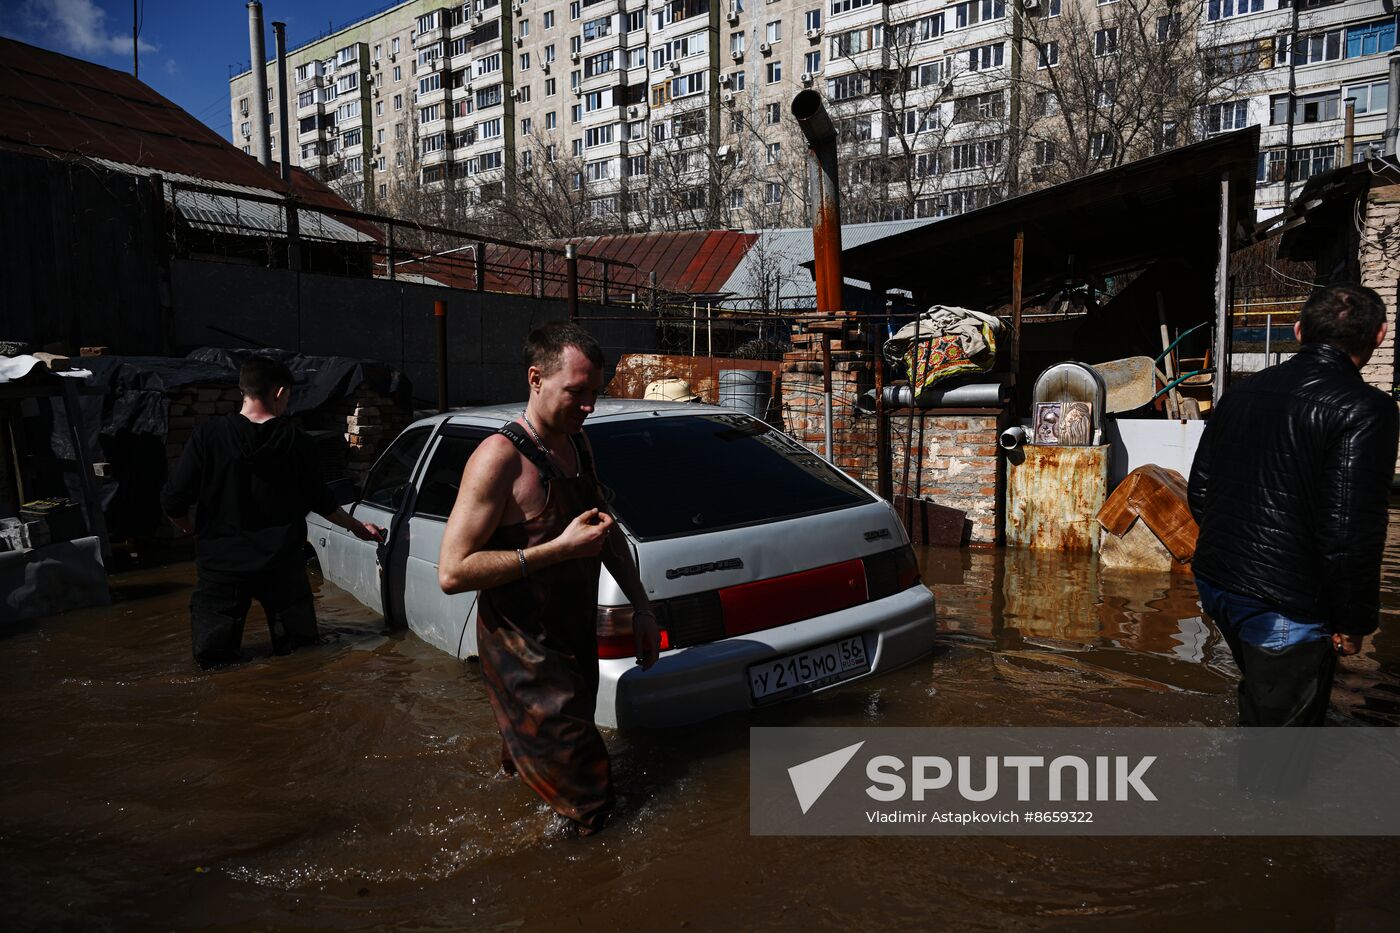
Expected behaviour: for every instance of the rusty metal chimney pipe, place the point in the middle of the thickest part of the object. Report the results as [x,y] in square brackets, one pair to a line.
[258,112]
[824,194]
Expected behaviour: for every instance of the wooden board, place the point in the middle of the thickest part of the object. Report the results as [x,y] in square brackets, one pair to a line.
[929,523]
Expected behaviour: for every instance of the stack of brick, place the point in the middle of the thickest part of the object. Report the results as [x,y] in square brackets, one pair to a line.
[191,404]
[854,439]
[370,422]
[954,462]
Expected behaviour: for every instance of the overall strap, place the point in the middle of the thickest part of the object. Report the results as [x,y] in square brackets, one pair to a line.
[514,433]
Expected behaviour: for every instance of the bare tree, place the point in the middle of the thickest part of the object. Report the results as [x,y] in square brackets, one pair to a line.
[1105,85]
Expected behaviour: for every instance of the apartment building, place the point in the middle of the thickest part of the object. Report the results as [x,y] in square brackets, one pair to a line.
[675,114]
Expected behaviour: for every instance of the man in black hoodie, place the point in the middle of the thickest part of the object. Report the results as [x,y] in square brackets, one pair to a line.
[1290,486]
[252,478]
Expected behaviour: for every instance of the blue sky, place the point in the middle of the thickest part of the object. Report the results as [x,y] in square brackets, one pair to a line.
[186,48]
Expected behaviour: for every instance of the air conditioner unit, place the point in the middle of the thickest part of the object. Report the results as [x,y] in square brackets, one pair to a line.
[738,56]
[806,77]
[676,67]
[727,97]
[375,64]
[516,8]
[377,148]
[480,15]
[765,47]
[544,66]
[722,152]
[578,92]
[633,111]
[1030,5]
[375,92]
[725,80]
[247,134]
[393,56]
[814,33]
[519,41]
[733,15]
[574,57]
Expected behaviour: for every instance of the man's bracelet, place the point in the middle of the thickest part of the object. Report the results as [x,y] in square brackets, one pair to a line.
[524,571]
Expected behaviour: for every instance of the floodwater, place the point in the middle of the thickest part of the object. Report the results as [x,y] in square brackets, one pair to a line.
[352,786]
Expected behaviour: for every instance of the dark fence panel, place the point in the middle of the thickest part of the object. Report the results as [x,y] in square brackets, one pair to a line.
[78,257]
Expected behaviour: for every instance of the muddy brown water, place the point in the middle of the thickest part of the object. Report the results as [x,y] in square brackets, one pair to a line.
[352,786]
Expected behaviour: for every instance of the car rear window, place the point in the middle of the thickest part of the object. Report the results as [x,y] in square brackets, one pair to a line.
[696,473]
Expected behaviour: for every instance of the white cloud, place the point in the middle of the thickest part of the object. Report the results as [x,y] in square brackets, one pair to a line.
[171,68]
[77,26]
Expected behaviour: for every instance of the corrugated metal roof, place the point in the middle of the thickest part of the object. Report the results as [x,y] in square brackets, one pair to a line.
[236,215]
[64,108]
[778,255]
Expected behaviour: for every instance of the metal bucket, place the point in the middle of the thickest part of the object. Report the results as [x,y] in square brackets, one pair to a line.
[746,390]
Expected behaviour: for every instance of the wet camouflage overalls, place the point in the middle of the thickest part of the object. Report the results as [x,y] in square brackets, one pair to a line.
[538,643]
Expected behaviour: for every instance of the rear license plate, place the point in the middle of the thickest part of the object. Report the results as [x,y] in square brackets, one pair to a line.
[808,670]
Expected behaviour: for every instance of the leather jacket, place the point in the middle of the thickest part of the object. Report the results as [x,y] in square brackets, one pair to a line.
[1290,487]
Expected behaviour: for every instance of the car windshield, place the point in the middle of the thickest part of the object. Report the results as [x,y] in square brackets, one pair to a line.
[696,473]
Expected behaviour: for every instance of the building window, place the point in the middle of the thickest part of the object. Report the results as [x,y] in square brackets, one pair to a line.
[772,193]
[985,56]
[845,87]
[976,154]
[1310,49]
[772,113]
[548,19]
[1048,55]
[736,198]
[1045,152]
[551,120]
[736,42]
[398,72]
[575,9]
[774,153]
[1369,98]
[636,19]
[812,62]
[1224,9]
[636,166]
[1101,145]
[1231,115]
[1370,38]
[988,106]
[775,72]
[1049,9]
[812,19]
[524,27]
[736,80]
[524,61]
[1168,28]
[1106,42]
[773,32]
[550,87]
[1313,160]
[846,6]
[979,11]
[1046,104]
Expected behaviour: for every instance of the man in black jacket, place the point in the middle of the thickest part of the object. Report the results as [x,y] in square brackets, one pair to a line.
[252,478]
[1290,488]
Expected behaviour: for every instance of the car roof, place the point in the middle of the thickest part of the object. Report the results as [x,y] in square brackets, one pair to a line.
[607,409]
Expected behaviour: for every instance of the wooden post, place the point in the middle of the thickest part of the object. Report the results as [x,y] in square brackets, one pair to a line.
[92,505]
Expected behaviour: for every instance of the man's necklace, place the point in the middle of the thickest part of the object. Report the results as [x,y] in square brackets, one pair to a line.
[539,442]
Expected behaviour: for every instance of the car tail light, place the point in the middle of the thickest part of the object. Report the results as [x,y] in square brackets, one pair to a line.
[891,572]
[615,636]
[752,607]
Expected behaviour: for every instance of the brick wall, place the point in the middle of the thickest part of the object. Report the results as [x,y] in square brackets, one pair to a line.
[955,462]
[1380,269]
[802,406]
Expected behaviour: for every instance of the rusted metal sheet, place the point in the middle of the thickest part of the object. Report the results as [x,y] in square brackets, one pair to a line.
[929,523]
[637,370]
[1053,495]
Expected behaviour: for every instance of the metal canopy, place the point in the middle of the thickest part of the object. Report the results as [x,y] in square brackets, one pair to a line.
[1166,206]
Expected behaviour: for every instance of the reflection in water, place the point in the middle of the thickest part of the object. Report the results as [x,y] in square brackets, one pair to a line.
[353,786]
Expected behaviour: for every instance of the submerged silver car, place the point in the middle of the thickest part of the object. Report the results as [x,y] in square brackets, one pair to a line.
[774,574]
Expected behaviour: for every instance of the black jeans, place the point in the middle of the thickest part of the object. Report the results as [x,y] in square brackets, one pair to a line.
[219,608]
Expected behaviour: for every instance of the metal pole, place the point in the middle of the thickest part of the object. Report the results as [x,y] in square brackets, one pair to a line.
[571,269]
[606,296]
[709,331]
[440,317]
[391,253]
[135,40]
[1222,290]
[1268,336]
[694,324]
[480,271]
[284,154]
[258,112]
